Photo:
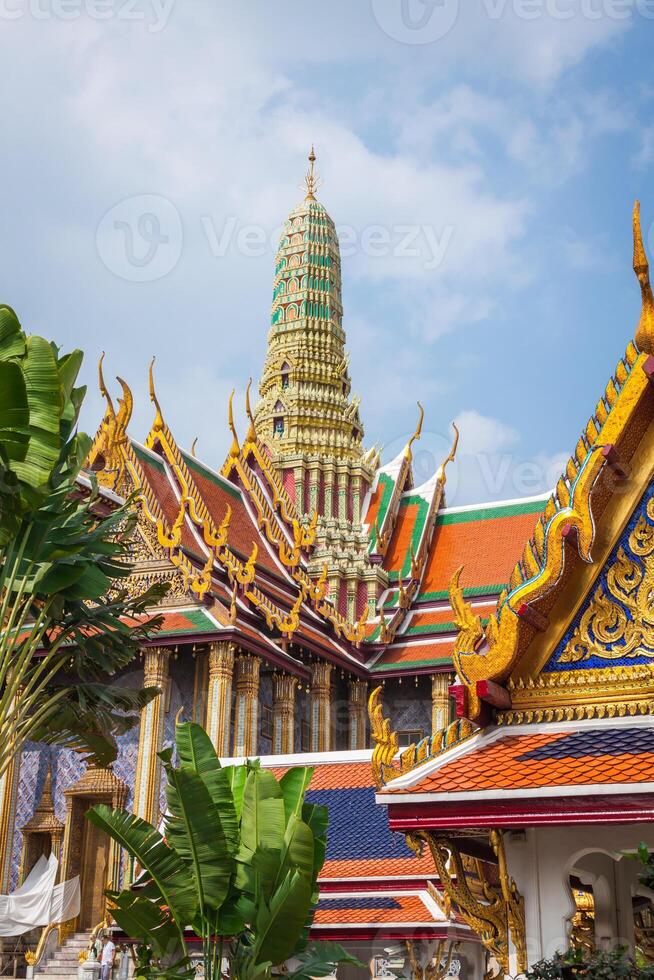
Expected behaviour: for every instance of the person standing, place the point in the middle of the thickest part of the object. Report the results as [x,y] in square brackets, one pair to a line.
[107,958]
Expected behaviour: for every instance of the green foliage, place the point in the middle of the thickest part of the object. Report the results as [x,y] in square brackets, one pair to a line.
[66,623]
[238,867]
[612,965]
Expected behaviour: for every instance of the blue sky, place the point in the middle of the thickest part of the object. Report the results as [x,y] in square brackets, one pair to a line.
[480,158]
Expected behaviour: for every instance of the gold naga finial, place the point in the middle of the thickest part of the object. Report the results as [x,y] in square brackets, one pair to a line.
[235,448]
[310,179]
[252,434]
[644,336]
[386,741]
[451,455]
[125,406]
[408,454]
[158,423]
[194,447]
[103,388]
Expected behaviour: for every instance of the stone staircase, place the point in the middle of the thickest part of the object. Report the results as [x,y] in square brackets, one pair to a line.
[63,964]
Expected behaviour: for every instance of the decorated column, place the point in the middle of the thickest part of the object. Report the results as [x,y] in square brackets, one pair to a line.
[8,799]
[352,586]
[299,488]
[328,505]
[246,713]
[357,711]
[342,495]
[148,766]
[321,705]
[440,701]
[219,698]
[284,686]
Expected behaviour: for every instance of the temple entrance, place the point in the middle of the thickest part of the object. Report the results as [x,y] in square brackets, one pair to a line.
[88,852]
[94,869]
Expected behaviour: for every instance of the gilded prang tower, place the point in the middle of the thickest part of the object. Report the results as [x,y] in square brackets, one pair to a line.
[306,416]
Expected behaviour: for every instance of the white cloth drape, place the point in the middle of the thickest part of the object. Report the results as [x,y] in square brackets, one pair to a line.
[38,901]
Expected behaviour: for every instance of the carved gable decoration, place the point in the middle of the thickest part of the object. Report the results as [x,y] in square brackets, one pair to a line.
[615,625]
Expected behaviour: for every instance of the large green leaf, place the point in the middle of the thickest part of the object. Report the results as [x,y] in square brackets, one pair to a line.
[195,750]
[14,411]
[263,821]
[279,923]
[164,866]
[44,396]
[12,338]
[294,784]
[138,916]
[194,830]
[321,959]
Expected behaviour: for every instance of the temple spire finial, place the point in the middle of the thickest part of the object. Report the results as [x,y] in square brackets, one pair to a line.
[158,423]
[251,434]
[311,179]
[235,448]
[408,452]
[644,336]
[103,388]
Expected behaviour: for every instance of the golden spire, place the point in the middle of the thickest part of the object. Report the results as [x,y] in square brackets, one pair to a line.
[311,179]
[158,423]
[644,336]
[450,457]
[252,434]
[235,448]
[103,388]
[416,435]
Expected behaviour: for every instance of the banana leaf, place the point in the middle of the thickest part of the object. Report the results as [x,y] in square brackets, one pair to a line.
[194,830]
[195,750]
[137,916]
[161,863]
[279,923]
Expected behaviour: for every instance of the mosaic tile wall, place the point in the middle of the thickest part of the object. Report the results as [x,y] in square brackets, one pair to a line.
[67,768]
[409,704]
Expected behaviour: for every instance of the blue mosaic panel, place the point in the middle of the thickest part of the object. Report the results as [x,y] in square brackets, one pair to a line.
[643,653]
[371,902]
[358,827]
[597,742]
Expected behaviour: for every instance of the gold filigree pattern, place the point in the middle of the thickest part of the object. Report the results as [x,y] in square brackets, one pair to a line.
[619,621]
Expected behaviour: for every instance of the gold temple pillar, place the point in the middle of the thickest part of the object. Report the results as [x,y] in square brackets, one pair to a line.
[356,499]
[148,766]
[357,712]
[284,686]
[320,696]
[246,714]
[8,800]
[219,701]
[314,482]
[440,701]
[299,475]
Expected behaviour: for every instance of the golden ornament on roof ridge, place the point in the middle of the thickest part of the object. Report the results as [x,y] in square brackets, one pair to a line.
[645,330]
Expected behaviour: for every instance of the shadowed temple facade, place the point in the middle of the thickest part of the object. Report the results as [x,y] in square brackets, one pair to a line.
[305,576]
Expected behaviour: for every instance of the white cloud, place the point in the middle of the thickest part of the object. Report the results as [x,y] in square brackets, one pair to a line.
[481,434]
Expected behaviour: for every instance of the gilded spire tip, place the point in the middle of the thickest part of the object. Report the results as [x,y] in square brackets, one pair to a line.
[310,179]
[103,388]
[451,455]
[235,448]
[644,336]
[416,435]
[158,419]
[252,435]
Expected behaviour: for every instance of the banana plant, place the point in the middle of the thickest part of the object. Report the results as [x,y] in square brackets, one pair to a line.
[235,869]
[66,625]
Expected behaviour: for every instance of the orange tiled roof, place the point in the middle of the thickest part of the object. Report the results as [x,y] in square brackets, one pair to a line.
[399,547]
[403,909]
[583,757]
[434,653]
[487,541]
[412,867]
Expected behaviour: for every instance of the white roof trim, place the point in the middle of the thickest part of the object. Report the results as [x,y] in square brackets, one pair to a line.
[307,759]
[537,792]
